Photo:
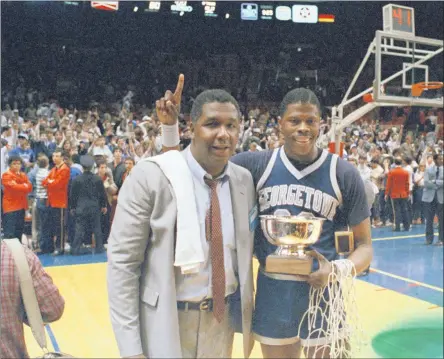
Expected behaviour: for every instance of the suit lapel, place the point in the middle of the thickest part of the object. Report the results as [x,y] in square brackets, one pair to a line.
[239,202]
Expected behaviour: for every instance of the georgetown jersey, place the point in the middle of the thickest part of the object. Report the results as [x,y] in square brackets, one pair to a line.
[284,190]
[329,188]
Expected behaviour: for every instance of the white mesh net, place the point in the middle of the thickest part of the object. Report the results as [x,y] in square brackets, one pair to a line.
[339,327]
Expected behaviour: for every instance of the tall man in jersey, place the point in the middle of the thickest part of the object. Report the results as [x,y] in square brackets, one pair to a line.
[295,178]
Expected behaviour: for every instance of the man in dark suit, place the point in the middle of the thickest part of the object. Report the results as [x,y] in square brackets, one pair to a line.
[398,190]
[433,198]
[88,202]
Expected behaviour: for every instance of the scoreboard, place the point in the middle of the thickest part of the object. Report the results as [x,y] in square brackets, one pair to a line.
[245,11]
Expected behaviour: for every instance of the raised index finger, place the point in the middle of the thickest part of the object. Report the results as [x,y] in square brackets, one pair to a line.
[179,88]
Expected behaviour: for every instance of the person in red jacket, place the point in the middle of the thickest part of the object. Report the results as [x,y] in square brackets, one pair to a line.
[16,187]
[57,186]
[398,189]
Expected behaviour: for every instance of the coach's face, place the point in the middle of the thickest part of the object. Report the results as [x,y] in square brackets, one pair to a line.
[215,135]
[300,128]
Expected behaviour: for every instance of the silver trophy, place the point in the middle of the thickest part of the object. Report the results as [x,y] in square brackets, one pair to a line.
[292,234]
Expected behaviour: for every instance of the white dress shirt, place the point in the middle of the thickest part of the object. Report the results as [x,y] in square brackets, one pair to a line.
[365,172]
[197,287]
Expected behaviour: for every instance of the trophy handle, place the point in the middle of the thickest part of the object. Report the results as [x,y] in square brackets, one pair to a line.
[265,232]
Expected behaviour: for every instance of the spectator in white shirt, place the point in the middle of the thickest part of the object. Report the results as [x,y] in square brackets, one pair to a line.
[99,148]
[4,156]
[363,169]
[418,187]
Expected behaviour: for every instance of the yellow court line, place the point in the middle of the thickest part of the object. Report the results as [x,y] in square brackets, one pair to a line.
[401,237]
[438,289]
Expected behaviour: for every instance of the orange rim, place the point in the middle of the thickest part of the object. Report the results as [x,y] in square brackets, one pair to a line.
[368,97]
[417,89]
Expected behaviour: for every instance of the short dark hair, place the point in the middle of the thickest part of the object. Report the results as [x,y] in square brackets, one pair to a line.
[75,158]
[43,161]
[408,160]
[100,162]
[130,159]
[398,161]
[209,96]
[299,95]
[59,150]
[14,158]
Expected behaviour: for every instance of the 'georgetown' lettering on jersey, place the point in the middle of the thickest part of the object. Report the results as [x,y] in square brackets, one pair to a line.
[284,190]
[301,196]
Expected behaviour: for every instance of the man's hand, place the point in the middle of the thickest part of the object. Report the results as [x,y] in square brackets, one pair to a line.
[104,210]
[319,279]
[168,107]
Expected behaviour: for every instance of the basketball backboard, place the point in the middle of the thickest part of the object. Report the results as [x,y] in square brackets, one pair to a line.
[400,62]
[408,71]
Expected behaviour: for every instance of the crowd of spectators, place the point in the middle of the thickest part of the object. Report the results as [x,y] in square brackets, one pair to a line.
[41,137]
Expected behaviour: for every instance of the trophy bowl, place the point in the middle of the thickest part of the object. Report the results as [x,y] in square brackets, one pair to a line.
[291,234]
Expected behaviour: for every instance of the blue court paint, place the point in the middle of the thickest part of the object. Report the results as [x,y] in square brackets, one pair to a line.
[383,232]
[52,338]
[405,257]
[49,260]
[400,286]
[410,258]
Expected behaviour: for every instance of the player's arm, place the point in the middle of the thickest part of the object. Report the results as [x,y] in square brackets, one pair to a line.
[168,110]
[358,216]
[363,254]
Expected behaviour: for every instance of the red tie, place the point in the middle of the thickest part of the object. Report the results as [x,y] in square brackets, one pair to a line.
[214,236]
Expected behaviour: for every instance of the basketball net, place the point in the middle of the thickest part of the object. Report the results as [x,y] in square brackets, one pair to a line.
[339,327]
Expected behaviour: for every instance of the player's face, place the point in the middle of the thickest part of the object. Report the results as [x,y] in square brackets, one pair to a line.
[300,128]
[215,135]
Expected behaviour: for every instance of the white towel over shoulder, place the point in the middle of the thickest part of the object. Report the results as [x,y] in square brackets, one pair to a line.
[189,252]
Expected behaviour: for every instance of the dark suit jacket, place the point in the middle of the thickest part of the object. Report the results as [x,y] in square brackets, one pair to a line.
[87,193]
[398,183]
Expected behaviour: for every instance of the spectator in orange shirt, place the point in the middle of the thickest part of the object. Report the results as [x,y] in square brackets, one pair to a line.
[398,189]
[16,187]
[57,187]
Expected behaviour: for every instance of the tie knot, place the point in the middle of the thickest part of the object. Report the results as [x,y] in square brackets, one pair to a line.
[212,183]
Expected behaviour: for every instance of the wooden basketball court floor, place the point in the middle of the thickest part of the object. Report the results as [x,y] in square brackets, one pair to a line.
[400,302]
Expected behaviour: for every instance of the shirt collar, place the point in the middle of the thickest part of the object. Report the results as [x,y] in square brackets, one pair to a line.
[199,173]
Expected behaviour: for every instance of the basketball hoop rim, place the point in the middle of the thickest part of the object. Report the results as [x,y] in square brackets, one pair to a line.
[418,88]
[431,85]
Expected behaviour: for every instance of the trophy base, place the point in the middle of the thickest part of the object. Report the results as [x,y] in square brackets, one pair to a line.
[288,264]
